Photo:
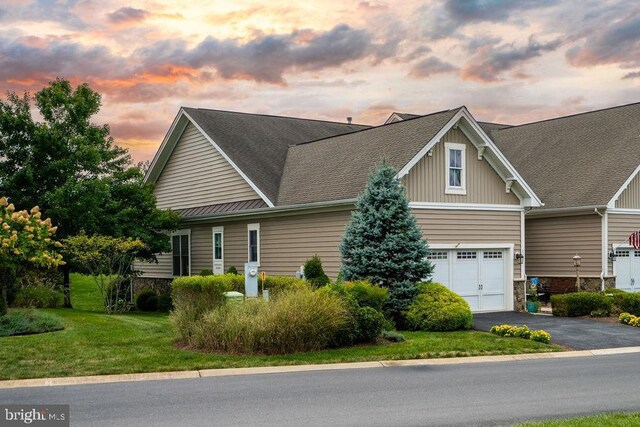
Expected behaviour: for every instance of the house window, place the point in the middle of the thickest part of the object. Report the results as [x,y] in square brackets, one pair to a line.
[253,239]
[181,253]
[455,167]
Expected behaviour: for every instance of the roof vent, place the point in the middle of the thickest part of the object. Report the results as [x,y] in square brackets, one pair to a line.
[349,119]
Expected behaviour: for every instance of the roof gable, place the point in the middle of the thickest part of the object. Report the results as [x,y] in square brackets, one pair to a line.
[579,160]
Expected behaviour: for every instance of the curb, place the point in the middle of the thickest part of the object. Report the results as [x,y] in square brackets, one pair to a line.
[225,372]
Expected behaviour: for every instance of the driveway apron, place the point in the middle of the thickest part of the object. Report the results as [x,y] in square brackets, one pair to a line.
[577,334]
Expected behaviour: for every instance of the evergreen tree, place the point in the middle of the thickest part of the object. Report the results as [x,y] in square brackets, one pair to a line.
[382,242]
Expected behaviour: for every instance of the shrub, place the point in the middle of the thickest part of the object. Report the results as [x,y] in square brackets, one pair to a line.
[165,303]
[314,273]
[298,320]
[23,322]
[193,296]
[147,300]
[521,332]
[366,294]
[401,296]
[205,272]
[437,308]
[369,322]
[579,304]
[279,284]
[393,336]
[629,319]
[232,270]
[38,297]
[626,302]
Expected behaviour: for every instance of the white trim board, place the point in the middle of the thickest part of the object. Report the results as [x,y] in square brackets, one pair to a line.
[621,211]
[465,206]
[612,202]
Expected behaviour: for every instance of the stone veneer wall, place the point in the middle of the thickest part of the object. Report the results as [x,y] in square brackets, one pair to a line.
[562,285]
[159,285]
[519,295]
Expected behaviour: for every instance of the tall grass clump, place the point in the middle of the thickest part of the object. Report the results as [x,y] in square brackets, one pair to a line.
[298,320]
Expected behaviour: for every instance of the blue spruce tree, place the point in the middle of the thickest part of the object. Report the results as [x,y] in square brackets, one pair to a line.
[382,242]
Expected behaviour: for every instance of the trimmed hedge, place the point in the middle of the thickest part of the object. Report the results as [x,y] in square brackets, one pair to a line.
[580,304]
[366,294]
[627,302]
[437,308]
[278,284]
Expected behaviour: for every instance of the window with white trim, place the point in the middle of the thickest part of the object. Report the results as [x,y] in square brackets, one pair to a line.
[253,243]
[455,167]
[437,255]
[181,251]
[466,255]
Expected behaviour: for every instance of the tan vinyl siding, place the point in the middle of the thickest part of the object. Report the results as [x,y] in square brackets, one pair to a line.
[630,197]
[163,269]
[197,175]
[427,180]
[620,227]
[551,243]
[465,226]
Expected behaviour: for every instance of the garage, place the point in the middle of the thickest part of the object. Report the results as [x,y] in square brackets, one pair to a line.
[480,276]
[626,268]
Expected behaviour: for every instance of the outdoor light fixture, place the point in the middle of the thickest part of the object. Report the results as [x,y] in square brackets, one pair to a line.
[577,260]
[612,255]
[519,257]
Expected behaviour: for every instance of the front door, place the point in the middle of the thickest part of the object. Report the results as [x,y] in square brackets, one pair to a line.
[218,250]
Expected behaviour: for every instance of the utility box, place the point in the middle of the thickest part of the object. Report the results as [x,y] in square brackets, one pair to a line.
[234,297]
[251,280]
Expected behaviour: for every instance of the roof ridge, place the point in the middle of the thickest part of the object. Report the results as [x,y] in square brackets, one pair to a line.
[275,116]
[376,127]
[569,116]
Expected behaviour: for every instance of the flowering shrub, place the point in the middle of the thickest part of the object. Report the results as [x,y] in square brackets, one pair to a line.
[521,332]
[629,319]
[25,239]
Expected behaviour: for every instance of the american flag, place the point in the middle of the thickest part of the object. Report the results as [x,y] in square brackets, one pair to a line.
[634,239]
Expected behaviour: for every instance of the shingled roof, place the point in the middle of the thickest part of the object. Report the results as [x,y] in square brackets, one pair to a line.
[258,143]
[578,160]
[337,168]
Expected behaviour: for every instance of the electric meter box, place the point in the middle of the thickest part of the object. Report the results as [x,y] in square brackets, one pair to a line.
[251,280]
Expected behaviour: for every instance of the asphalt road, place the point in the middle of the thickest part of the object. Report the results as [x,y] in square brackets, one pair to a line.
[499,393]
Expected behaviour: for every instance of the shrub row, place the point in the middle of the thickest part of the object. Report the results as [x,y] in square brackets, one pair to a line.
[629,319]
[298,320]
[625,302]
[150,300]
[437,308]
[38,296]
[521,332]
[581,304]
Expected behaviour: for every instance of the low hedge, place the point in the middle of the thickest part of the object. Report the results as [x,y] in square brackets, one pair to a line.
[38,297]
[580,304]
[366,294]
[437,308]
[147,300]
[521,332]
[626,302]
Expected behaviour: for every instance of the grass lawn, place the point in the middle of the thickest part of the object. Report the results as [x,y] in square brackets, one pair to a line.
[602,420]
[94,343]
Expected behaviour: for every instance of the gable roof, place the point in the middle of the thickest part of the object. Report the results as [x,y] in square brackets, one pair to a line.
[255,144]
[577,160]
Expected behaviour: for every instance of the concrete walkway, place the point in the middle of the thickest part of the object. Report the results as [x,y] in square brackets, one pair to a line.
[577,334]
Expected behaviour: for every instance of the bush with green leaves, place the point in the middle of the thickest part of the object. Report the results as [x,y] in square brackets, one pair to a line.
[165,302]
[629,319]
[298,320]
[195,295]
[521,332]
[314,273]
[383,243]
[278,284]
[626,302]
[38,297]
[205,272]
[27,321]
[147,300]
[437,308]
[580,304]
[393,336]
[367,294]
[232,270]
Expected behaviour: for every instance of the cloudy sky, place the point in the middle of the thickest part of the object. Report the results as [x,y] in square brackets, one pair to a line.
[507,61]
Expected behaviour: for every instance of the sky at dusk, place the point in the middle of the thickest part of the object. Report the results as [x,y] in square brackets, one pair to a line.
[507,61]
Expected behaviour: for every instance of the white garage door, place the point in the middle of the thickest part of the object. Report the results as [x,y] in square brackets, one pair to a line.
[476,275]
[626,268]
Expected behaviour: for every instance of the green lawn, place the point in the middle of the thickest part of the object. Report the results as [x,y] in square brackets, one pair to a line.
[603,420]
[94,343]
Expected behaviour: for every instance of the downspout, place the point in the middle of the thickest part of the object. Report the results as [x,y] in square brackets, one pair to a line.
[602,248]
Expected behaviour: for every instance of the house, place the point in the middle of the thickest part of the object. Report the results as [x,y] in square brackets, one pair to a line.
[277,190]
[585,168]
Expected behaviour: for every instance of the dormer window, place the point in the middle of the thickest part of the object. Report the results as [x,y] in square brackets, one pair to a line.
[455,167]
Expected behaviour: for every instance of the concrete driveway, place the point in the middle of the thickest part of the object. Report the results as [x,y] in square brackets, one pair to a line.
[577,334]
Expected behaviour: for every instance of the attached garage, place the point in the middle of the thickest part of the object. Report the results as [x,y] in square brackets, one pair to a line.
[482,276]
[626,268]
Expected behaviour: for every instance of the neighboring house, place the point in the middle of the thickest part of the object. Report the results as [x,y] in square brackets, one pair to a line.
[585,169]
[277,190]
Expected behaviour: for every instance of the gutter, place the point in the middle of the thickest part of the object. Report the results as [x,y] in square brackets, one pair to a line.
[540,212]
[267,210]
